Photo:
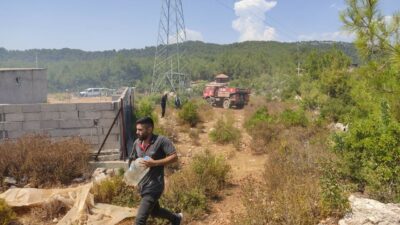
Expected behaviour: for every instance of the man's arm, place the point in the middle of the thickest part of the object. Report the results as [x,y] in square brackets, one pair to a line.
[161,162]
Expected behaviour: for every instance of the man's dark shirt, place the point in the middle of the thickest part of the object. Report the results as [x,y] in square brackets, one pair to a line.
[159,148]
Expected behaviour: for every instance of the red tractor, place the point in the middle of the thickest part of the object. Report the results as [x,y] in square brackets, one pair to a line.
[218,93]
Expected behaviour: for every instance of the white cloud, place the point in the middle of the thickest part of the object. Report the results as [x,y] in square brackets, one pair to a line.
[251,22]
[328,36]
[193,35]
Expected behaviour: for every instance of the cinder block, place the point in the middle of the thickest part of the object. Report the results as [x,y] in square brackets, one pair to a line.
[32,116]
[106,123]
[48,115]
[14,117]
[2,125]
[30,108]
[49,107]
[108,114]
[90,131]
[31,125]
[114,130]
[12,109]
[85,106]
[102,106]
[49,124]
[63,132]
[111,145]
[94,140]
[69,115]
[82,123]
[89,115]
[68,107]
[13,126]
[16,134]
[2,108]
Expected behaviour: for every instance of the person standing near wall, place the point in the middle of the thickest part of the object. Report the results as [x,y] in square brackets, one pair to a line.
[164,99]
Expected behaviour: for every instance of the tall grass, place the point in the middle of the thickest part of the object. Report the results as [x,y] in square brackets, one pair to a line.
[294,185]
[42,162]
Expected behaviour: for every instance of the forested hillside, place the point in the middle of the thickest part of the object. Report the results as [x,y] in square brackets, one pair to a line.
[265,63]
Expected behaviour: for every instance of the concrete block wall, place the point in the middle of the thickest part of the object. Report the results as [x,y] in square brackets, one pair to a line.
[23,85]
[91,121]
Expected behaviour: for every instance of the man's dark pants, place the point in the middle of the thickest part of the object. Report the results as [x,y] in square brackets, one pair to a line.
[149,205]
[163,110]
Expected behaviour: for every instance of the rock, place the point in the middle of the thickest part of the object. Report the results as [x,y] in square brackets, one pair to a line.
[100,174]
[110,172]
[298,98]
[10,181]
[98,171]
[78,180]
[368,212]
[339,127]
[100,177]
[55,220]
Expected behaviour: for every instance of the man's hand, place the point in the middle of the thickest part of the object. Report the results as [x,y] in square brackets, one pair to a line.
[161,162]
[149,162]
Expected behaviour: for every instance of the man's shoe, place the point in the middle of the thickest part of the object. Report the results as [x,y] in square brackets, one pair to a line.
[180,220]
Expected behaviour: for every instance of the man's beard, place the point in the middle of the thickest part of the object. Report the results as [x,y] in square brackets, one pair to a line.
[143,137]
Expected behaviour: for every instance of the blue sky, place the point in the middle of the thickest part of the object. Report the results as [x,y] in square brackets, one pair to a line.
[119,24]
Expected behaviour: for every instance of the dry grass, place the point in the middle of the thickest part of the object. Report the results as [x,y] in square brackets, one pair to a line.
[290,190]
[50,210]
[39,161]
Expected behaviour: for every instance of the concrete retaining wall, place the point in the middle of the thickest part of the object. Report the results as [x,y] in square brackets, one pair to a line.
[91,121]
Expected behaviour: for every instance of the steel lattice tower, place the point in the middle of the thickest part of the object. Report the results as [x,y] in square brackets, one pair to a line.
[168,73]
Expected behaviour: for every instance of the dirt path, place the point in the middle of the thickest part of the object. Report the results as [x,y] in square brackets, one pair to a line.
[242,161]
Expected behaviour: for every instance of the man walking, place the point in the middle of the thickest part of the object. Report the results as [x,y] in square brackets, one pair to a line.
[157,151]
[164,99]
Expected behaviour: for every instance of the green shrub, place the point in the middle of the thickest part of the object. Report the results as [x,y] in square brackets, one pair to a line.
[371,155]
[145,107]
[189,114]
[293,118]
[7,215]
[334,199]
[260,116]
[212,172]
[225,132]
[114,191]
[190,189]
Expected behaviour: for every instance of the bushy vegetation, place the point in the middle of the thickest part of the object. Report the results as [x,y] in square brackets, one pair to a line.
[7,215]
[269,63]
[114,191]
[225,132]
[189,114]
[190,189]
[291,190]
[371,152]
[145,107]
[265,128]
[293,118]
[41,162]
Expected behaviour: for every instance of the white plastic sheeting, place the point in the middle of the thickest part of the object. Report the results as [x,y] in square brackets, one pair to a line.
[83,210]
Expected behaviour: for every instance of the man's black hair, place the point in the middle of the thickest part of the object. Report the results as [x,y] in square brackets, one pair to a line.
[146,121]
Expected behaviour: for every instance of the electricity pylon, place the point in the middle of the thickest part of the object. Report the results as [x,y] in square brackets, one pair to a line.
[168,73]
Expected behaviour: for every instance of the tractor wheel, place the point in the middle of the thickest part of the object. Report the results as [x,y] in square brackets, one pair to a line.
[226,104]
[211,101]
